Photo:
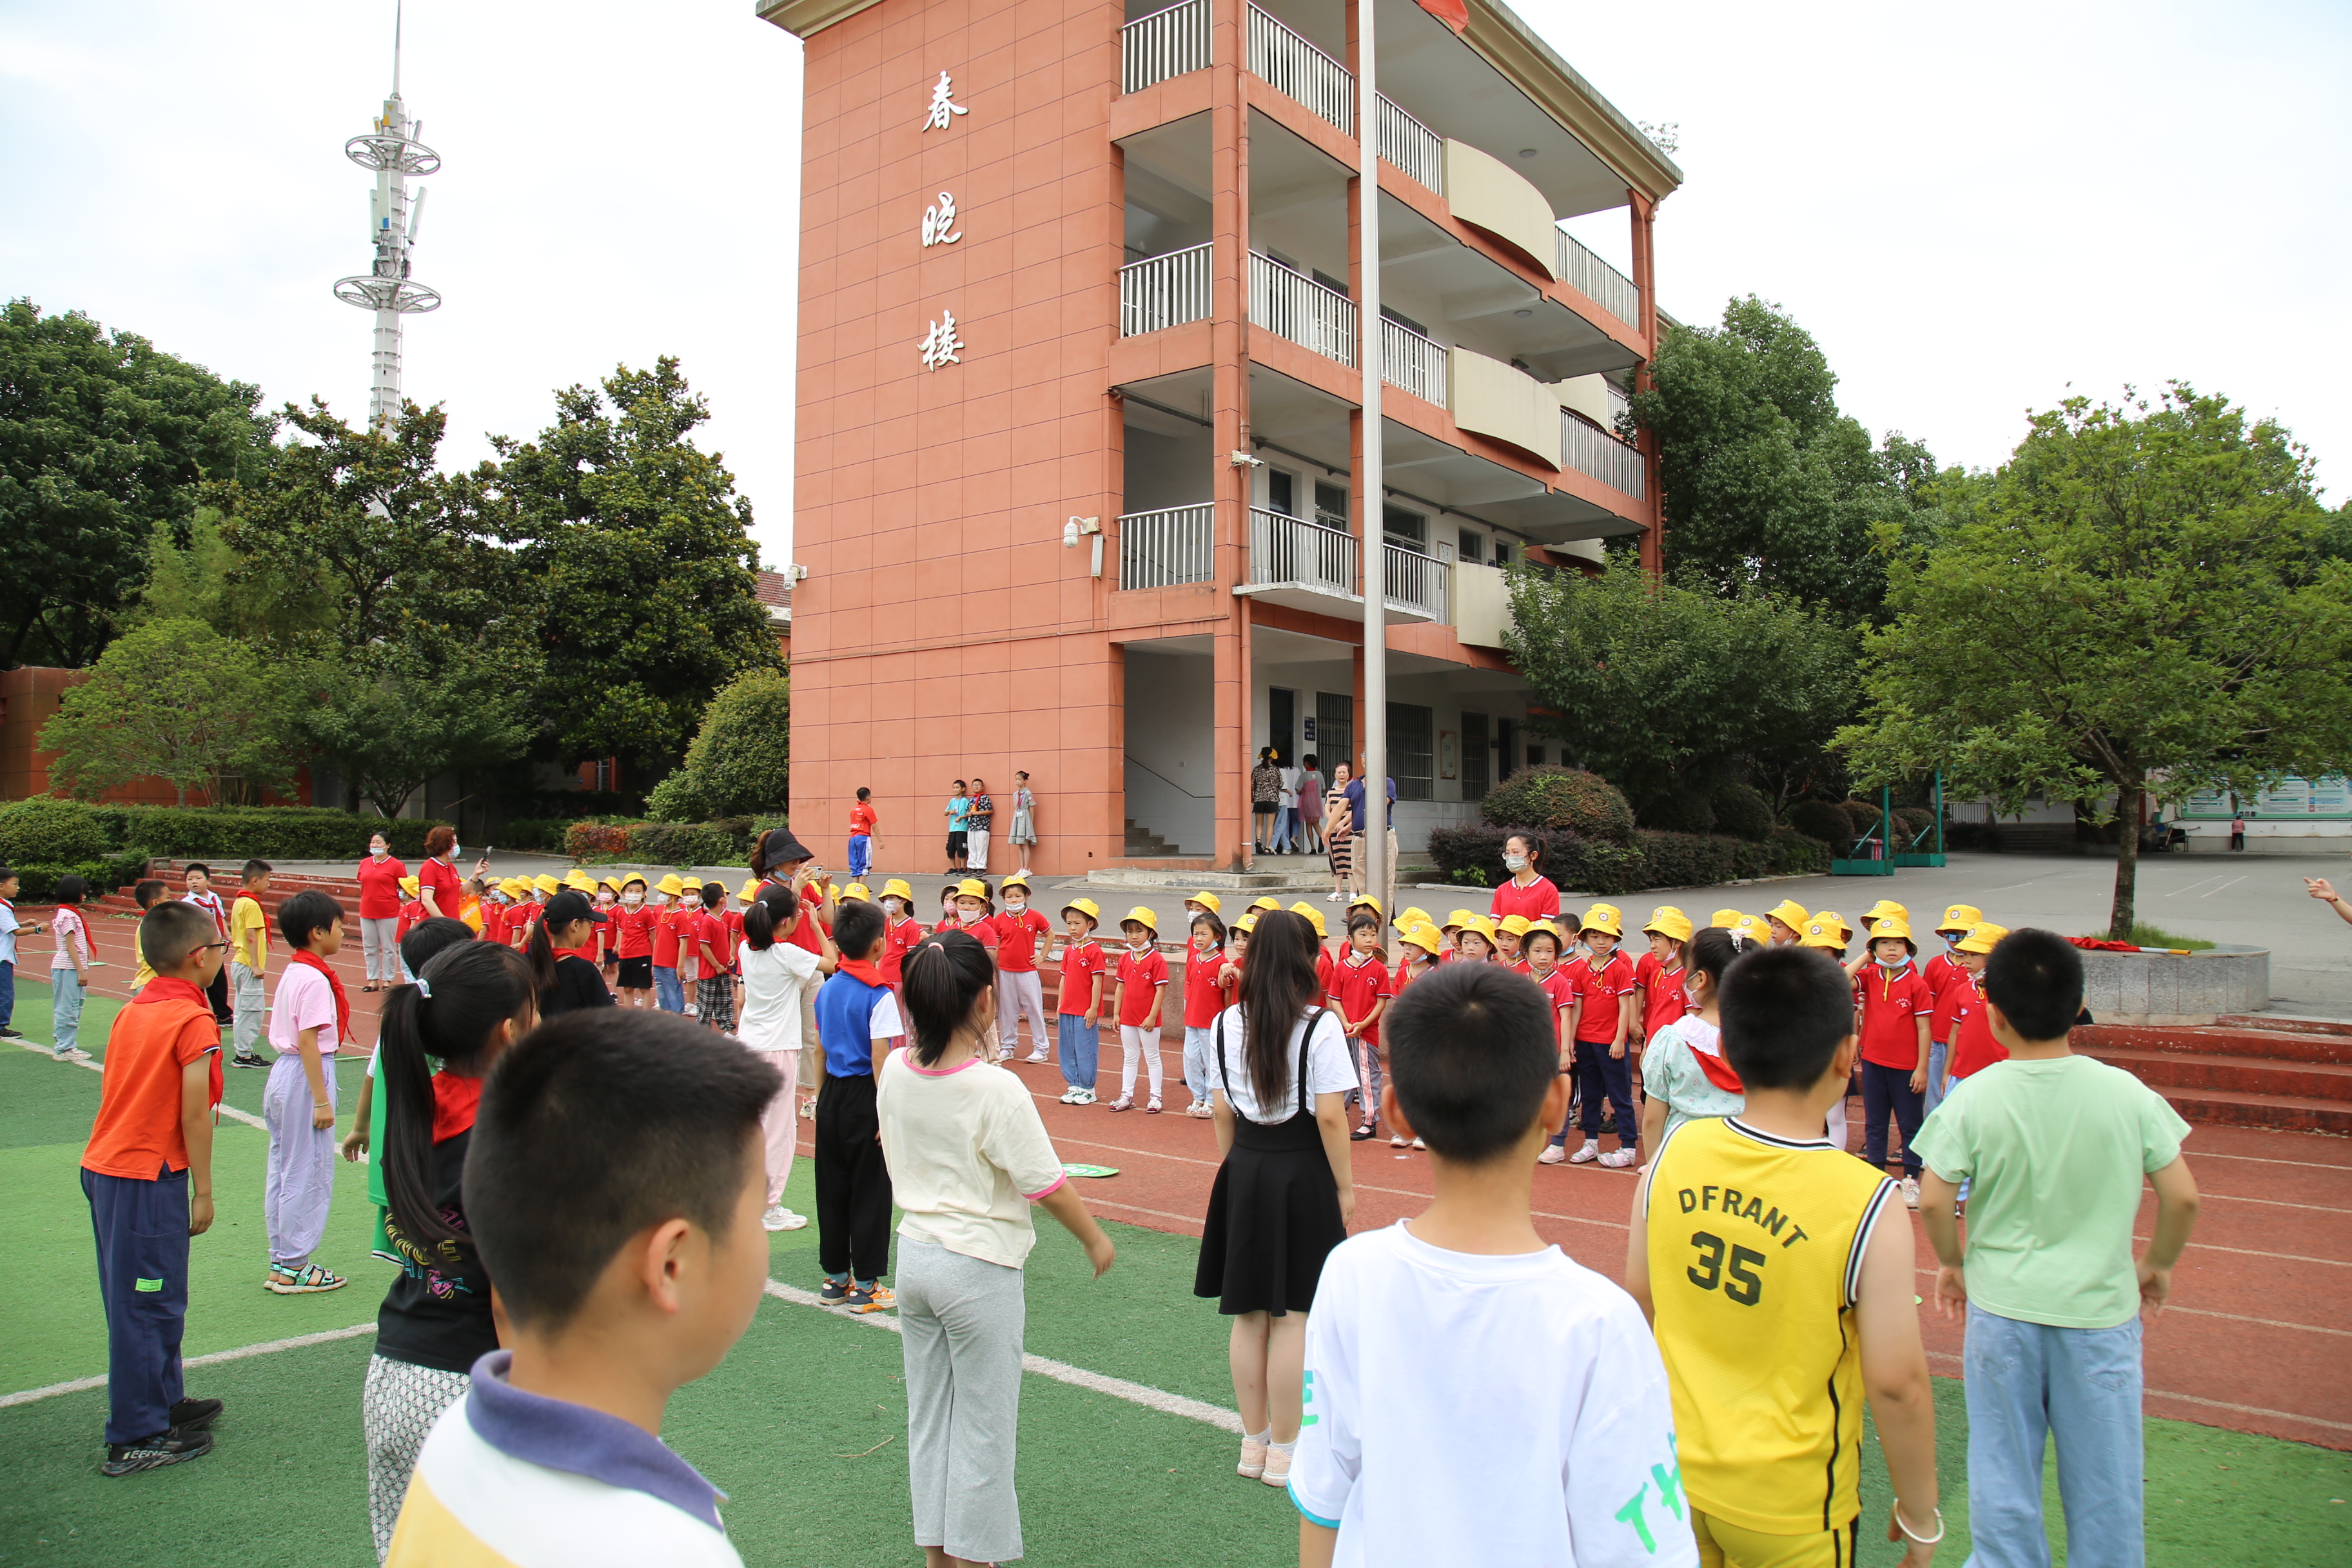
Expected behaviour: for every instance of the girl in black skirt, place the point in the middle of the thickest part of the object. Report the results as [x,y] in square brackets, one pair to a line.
[1281,1073]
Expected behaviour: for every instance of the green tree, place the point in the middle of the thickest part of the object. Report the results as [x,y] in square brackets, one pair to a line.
[740,762]
[1767,484]
[388,587]
[2142,603]
[643,558]
[1668,692]
[102,437]
[173,700]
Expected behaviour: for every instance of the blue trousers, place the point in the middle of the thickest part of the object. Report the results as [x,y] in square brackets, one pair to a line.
[668,995]
[65,1009]
[1599,1075]
[8,1001]
[1078,1044]
[1198,1043]
[1889,1090]
[860,844]
[2027,1382]
[1937,1055]
[142,1280]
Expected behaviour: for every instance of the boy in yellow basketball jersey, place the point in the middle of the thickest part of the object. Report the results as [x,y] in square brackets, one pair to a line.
[1777,1272]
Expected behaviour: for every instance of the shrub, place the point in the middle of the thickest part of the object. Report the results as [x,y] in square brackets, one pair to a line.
[1561,800]
[1910,821]
[1597,865]
[592,841]
[44,832]
[676,798]
[541,833]
[1863,814]
[210,833]
[105,873]
[741,760]
[1798,852]
[1679,810]
[686,844]
[1981,835]
[1822,820]
[1471,855]
[1742,811]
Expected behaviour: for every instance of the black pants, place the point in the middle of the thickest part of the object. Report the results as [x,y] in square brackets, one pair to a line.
[218,994]
[1602,1076]
[1885,1088]
[853,1183]
[143,1278]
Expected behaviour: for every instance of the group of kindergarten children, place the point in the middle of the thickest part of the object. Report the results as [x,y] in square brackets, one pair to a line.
[615,1171]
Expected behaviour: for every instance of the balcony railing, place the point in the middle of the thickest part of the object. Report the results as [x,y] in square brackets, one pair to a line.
[1600,282]
[1415,584]
[1164,43]
[1603,457]
[1164,291]
[1301,71]
[1302,309]
[1292,553]
[1411,362]
[1161,549]
[1409,145]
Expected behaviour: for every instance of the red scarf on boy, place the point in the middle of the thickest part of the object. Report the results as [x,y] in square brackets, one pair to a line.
[303,955]
[859,969]
[190,999]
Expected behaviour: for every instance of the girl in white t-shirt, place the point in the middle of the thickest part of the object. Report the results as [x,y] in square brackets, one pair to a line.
[778,973]
[968,1155]
[1280,1070]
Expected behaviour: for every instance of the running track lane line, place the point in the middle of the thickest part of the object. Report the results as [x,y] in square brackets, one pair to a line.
[230,1111]
[271,1347]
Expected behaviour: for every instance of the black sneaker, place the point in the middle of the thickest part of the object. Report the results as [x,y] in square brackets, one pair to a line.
[9,1034]
[835,1292]
[172,1448]
[194,1415]
[249,1062]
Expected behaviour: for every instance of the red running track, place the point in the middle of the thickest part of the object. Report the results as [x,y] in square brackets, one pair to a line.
[2256,1338]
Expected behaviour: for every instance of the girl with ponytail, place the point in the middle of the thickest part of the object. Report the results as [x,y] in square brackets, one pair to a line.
[968,1155]
[779,977]
[468,1003]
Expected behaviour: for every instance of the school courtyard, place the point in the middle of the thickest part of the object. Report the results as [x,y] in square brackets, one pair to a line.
[1127,1437]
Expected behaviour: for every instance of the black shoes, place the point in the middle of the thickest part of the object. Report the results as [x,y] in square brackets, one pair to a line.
[194,1415]
[172,1448]
[249,1062]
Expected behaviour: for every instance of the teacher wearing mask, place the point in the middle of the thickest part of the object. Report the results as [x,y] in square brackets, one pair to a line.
[379,878]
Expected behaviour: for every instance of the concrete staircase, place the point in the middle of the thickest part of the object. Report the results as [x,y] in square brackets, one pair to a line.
[1142,843]
[2293,1074]
[282,887]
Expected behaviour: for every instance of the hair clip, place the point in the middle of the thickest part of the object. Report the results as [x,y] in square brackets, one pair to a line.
[423,988]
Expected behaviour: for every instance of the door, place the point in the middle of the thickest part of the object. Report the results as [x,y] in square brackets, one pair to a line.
[1282,725]
[1477,756]
[1506,748]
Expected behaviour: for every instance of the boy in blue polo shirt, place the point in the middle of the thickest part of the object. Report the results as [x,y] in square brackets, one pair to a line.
[856,1019]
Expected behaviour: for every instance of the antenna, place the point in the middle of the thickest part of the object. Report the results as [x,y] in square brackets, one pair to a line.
[392,151]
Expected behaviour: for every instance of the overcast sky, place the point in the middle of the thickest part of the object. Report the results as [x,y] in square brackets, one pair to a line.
[1971,208]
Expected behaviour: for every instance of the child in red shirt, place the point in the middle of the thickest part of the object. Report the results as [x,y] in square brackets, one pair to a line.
[1600,1020]
[1362,986]
[1895,1005]
[1974,1046]
[632,943]
[901,932]
[1142,991]
[1204,998]
[1659,973]
[1083,964]
[1947,981]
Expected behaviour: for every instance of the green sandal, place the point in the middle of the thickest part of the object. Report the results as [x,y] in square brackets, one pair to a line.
[308,1281]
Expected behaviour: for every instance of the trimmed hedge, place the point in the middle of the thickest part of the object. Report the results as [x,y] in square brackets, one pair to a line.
[56,828]
[1473,856]
[1799,852]
[1742,811]
[1863,814]
[1822,820]
[1561,800]
[37,880]
[727,842]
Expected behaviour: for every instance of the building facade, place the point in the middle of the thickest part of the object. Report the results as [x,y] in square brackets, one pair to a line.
[1078,484]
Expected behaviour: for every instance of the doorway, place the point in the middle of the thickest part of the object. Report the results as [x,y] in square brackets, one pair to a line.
[1282,725]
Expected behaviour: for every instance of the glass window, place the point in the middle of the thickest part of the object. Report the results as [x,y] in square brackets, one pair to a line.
[1502,553]
[1472,545]
[1408,529]
[1331,506]
[1475,756]
[1335,730]
[1279,489]
[1413,751]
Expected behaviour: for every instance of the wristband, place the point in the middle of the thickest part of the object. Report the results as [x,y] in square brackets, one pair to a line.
[1920,1540]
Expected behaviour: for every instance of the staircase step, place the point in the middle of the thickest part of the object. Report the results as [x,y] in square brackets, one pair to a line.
[2265,1042]
[2203,1072]
[2285,1023]
[2279,1112]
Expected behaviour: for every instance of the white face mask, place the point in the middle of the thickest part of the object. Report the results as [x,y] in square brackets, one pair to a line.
[380,852]
[455,850]
[1140,944]
[1016,905]
[1516,862]
[633,899]
[893,906]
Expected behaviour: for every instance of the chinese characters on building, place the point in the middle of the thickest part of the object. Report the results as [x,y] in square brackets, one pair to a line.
[942,345]
[939,222]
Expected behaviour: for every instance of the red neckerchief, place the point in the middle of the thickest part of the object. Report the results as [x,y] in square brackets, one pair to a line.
[861,969]
[305,957]
[190,996]
[454,1101]
[1719,1071]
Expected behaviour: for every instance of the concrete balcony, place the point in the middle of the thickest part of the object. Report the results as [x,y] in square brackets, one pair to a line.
[1505,403]
[1163,291]
[1166,548]
[1301,72]
[1297,306]
[1600,456]
[1415,363]
[1482,603]
[1600,282]
[1302,564]
[1413,585]
[1165,44]
[1410,146]
[1489,194]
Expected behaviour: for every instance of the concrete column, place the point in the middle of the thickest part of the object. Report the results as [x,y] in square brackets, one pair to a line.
[1229,349]
[1645,276]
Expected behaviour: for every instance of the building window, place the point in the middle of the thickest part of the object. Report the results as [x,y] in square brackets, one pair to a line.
[1279,491]
[605,774]
[1413,751]
[1408,529]
[1535,756]
[1331,506]
[1502,553]
[1472,544]
[1335,731]
[1477,751]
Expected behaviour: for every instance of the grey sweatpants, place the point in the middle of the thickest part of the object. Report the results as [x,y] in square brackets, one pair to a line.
[251,1008]
[299,1183]
[960,1326]
[381,948]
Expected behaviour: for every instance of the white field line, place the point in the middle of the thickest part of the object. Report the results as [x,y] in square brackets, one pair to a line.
[1060,1372]
[231,1111]
[242,1352]
[2223,888]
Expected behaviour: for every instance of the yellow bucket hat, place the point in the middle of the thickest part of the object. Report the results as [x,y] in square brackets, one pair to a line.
[1268,901]
[1885,909]
[1312,915]
[668,884]
[513,886]
[1983,937]
[1412,915]
[636,877]
[1017,879]
[1366,902]
[1208,902]
[1517,925]
[1961,918]
[1895,929]
[1543,927]
[1727,920]
[1669,921]
[1482,926]
[1086,907]
[546,884]
[1247,924]
[579,881]
[1753,928]
[1789,914]
[1825,929]
[1457,919]
[971,887]
[1427,937]
[1605,917]
[1149,919]
[857,890]
[411,885]
[896,887]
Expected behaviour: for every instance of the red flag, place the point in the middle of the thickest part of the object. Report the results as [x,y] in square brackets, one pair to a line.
[1454,14]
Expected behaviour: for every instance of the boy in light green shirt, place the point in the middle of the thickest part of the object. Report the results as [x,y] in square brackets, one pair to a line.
[2055,1146]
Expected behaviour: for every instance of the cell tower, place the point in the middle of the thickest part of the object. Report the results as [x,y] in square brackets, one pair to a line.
[394,152]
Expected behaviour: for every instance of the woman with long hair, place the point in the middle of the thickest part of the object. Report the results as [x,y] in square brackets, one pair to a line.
[1281,1071]
[469,1003]
[968,1156]
[565,981]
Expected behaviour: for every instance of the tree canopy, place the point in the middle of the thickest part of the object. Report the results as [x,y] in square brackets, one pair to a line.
[103,437]
[174,700]
[740,762]
[2143,600]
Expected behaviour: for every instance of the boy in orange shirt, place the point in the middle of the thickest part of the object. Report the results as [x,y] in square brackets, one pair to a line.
[147,1171]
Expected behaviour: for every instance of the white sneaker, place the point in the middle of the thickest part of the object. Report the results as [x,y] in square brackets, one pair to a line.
[1334,898]
[1085,1097]
[1035,1057]
[1277,1466]
[774,1218]
[1618,1159]
[1070,1095]
[1399,1140]
[1419,1145]
[1911,1192]
[1587,1154]
[1553,1155]
[70,1054]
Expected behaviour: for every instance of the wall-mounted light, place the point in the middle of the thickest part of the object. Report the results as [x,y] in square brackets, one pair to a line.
[1247,460]
[1078,526]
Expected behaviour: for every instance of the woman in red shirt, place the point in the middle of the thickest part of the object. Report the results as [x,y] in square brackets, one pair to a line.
[436,879]
[379,878]
[1528,892]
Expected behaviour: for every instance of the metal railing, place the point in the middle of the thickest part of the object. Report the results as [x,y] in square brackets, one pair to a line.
[1164,291]
[1164,43]
[1603,457]
[1411,362]
[1409,145]
[1413,583]
[1302,309]
[1600,282]
[1292,553]
[1301,71]
[1160,548]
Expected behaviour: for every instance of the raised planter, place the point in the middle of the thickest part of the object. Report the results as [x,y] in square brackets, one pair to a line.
[2159,988]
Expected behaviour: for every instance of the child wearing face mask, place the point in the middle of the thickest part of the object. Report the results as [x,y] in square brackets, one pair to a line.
[633,944]
[1142,976]
[900,932]
[1018,989]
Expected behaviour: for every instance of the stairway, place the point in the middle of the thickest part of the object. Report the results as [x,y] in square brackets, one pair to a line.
[1142,843]
[282,887]
[2293,1074]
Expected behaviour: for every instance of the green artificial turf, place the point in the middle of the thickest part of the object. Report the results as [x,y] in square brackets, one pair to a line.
[805,1425]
